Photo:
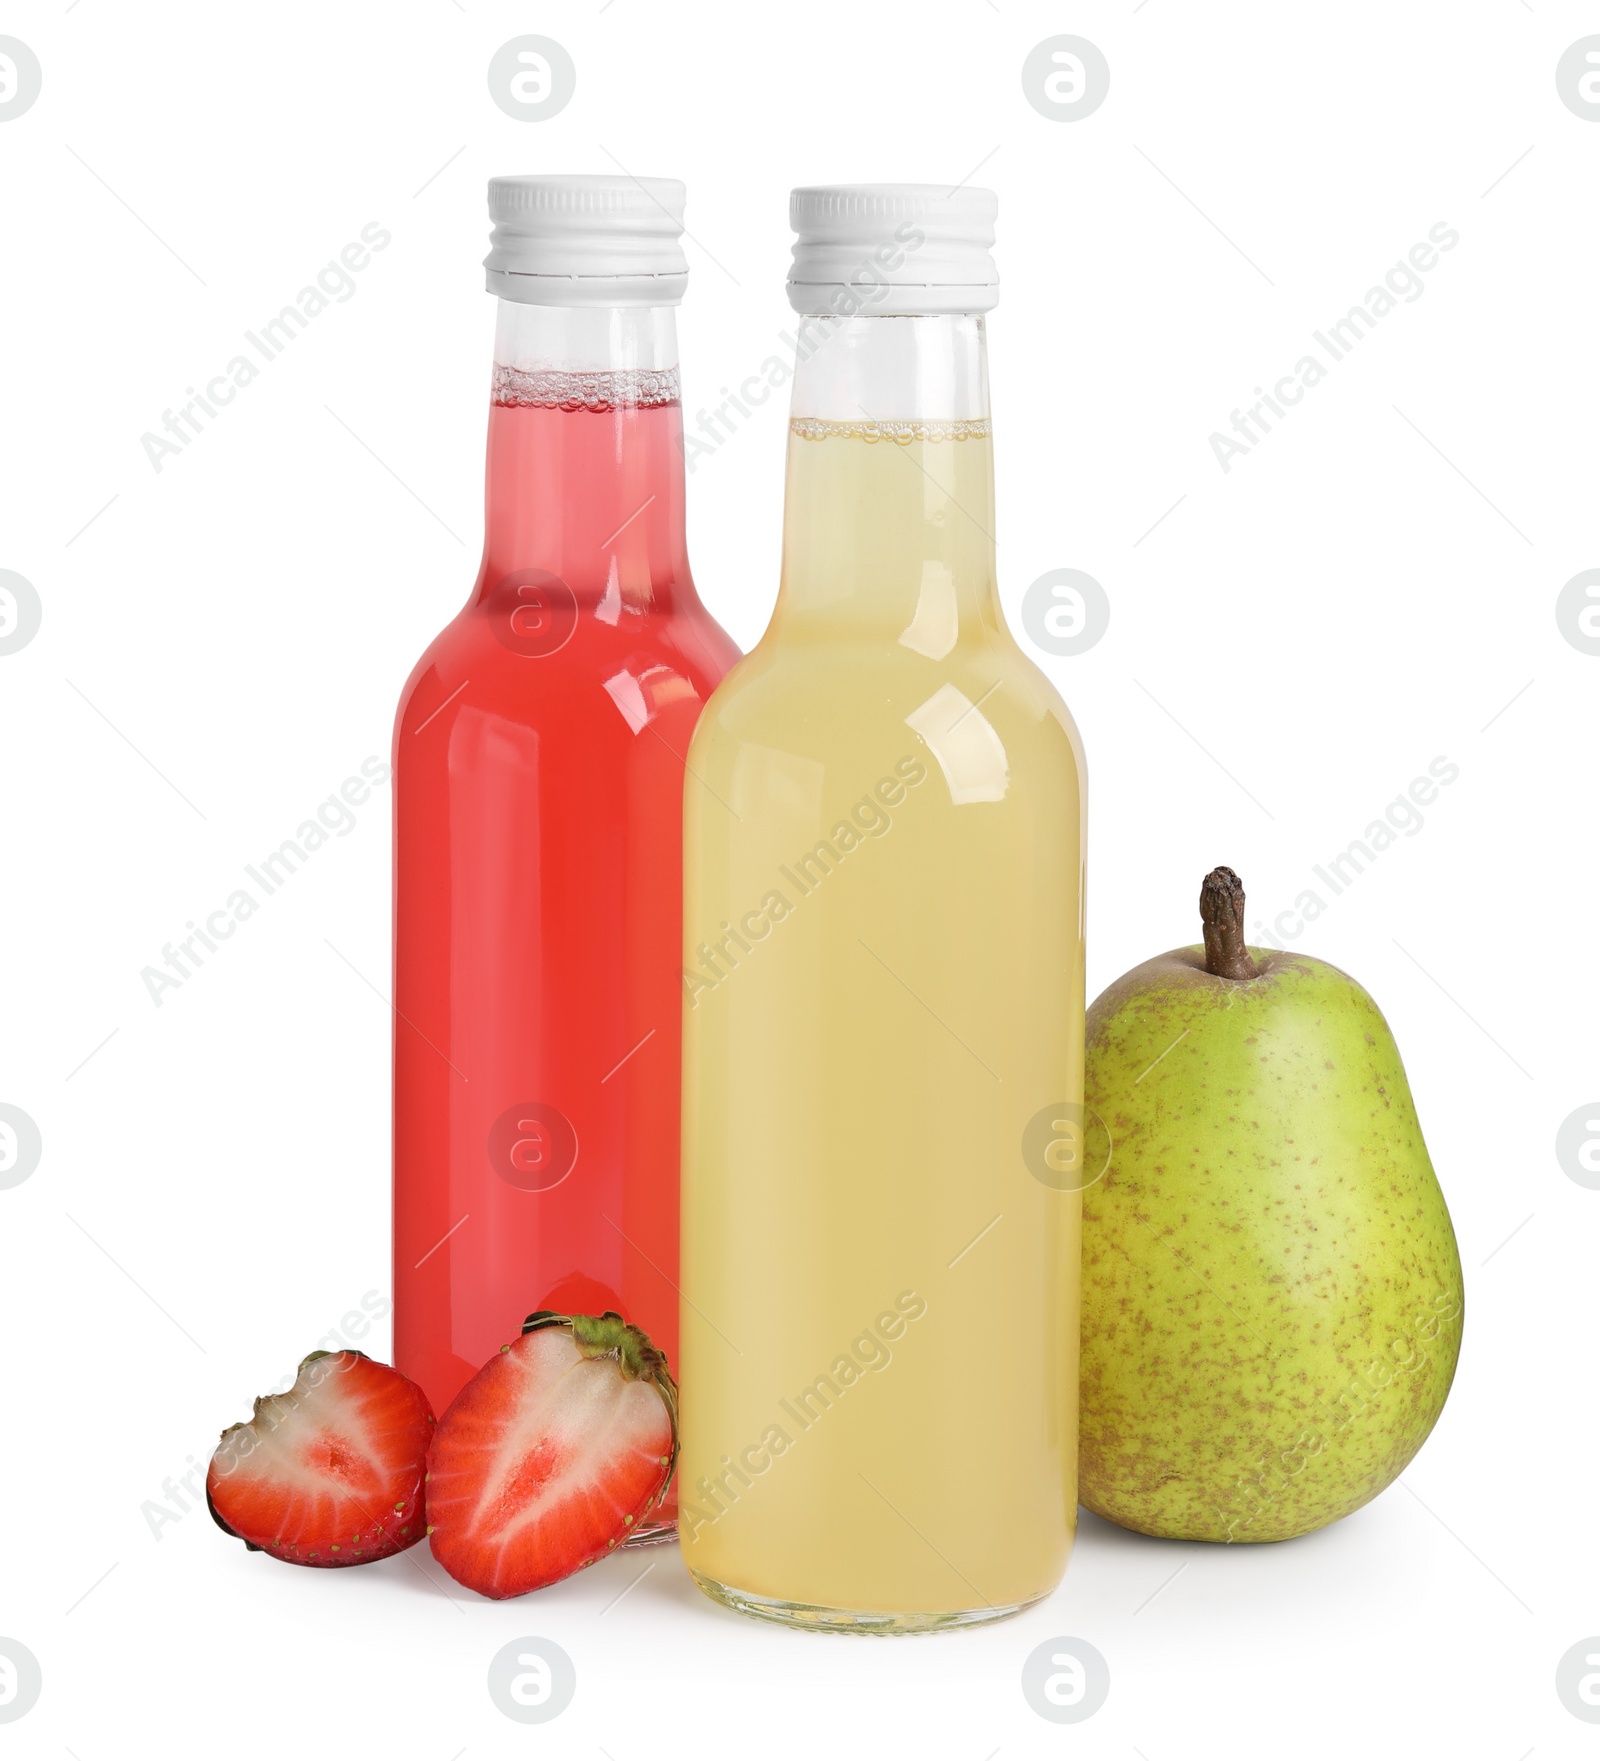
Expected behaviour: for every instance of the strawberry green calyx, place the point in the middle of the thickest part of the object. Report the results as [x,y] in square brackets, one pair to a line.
[607,1335]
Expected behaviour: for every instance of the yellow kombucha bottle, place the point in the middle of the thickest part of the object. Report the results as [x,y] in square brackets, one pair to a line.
[883,978]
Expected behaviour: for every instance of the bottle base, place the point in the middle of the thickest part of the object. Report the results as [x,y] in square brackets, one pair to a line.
[811,1618]
[651,1534]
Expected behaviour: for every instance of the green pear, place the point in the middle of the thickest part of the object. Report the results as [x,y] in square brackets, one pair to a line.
[1272,1297]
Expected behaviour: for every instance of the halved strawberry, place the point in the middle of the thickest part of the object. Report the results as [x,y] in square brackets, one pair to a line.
[552,1454]
[330,1473]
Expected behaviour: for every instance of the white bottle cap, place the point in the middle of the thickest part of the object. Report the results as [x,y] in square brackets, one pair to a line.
[586,241]
[893,247]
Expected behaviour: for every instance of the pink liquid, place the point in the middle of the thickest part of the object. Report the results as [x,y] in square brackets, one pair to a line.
[538,765]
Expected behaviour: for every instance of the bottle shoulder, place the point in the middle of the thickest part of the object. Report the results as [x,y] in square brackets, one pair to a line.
[782,684]
[559,661]
[790,727]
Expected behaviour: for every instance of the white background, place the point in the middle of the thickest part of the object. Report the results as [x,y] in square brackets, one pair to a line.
[223,643]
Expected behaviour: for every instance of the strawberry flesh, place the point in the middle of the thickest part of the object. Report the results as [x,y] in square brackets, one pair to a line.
[330,1473]
[550,1457]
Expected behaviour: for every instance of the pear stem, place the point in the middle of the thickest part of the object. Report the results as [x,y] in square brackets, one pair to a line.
[1222,918]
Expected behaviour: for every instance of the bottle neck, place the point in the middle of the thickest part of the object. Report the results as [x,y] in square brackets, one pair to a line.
[585,461]
[889,510]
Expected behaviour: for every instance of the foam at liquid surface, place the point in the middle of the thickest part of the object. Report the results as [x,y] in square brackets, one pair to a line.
[550,388]
[901,433]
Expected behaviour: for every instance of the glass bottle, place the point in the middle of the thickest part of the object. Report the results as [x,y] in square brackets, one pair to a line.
[539,773]
[883,995]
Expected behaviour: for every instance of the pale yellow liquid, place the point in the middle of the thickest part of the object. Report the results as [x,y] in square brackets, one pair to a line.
[859,1075]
